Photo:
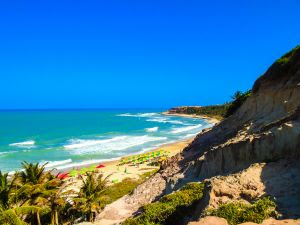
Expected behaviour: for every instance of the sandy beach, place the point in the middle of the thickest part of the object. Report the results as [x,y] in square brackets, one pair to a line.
[117,173]
[209,119]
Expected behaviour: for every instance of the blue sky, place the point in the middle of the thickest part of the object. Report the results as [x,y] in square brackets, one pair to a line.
[124,54]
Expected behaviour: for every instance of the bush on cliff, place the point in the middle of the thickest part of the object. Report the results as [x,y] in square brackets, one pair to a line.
[171,208]
[238,99]
[236,213]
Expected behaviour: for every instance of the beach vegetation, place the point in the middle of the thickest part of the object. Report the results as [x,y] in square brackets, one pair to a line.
[36,196]
[88,201]
[171,208]
[239,98]
[237,212]
[126,186]
[219,111]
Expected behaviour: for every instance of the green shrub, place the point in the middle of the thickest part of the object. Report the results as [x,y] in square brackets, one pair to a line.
[286,57]
[238,99]
[171,208]
[122,188]
[236,213]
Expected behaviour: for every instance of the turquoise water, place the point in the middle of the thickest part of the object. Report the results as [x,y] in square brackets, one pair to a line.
[67,139]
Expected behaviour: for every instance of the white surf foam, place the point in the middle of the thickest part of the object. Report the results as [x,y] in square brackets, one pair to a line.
[80,146]
[164,120]
[185,129]
[190,135]
[85,163]
[152,129]
[52,164]
[24,144]
[138,114]
[3,153]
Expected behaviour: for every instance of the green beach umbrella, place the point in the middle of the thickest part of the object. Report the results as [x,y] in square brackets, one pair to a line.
[73,173]
[83,171]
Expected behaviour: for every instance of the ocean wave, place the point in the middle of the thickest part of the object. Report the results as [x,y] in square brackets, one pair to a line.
[151,129]
[52,164]
[190,135]
[4,153]
[138,114]
[80,146]
[84,163]
[184,129]
[164,120]
[24,144]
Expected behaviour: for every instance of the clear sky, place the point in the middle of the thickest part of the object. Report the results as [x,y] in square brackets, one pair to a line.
[141,53]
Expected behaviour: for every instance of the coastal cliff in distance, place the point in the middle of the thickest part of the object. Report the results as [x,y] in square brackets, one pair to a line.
[250,154]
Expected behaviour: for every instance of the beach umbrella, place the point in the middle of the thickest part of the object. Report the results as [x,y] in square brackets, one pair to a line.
[63,176]
[100,166]
[73,173]
[83,171]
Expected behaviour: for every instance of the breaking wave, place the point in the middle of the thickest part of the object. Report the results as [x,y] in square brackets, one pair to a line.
[24,144]
[185,129]
[80,146]
[152,129]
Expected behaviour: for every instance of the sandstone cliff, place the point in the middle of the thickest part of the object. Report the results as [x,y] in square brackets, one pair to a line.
[266,128]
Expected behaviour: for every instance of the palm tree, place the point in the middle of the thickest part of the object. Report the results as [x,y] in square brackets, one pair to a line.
[33,188]
[5,189]
[88,199]
[237,95]
[57,196]
[33,173]
[10,213]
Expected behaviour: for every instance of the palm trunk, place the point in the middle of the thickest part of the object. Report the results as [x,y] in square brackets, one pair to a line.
[52,218]
[38,218]
[56,217]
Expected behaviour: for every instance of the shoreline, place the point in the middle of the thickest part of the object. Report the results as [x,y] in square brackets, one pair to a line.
[112,164]
[118,173]
[113,169]
[209,119]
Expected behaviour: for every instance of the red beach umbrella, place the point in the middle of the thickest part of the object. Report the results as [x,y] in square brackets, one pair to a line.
[100,166]
[63,176]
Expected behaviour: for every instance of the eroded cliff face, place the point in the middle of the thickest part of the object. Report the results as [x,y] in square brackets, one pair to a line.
[265,128]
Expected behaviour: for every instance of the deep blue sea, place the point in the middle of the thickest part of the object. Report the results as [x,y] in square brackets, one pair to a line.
[70,138]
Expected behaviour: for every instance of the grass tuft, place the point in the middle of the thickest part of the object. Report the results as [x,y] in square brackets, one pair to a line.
[170,208]
[236,213]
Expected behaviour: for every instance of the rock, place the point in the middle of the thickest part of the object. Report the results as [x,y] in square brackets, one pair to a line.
[210,220]
[275,222]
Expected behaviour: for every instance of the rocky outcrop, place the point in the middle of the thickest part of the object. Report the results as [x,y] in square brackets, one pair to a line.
[211,220]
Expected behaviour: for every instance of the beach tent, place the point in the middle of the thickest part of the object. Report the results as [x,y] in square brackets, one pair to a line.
[100,166]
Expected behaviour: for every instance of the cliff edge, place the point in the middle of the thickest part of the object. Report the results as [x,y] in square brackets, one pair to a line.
[258,143]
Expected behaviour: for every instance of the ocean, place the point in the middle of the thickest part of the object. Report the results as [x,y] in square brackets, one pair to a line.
[71,138]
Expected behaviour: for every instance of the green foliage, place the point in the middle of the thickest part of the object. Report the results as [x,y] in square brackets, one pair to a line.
[32,173]
[219,111]
[171,208]
[236,213]
[215,111]
[88,200]
[4,191]
[238,99]
[35,196]
[122,188]
[286,57]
